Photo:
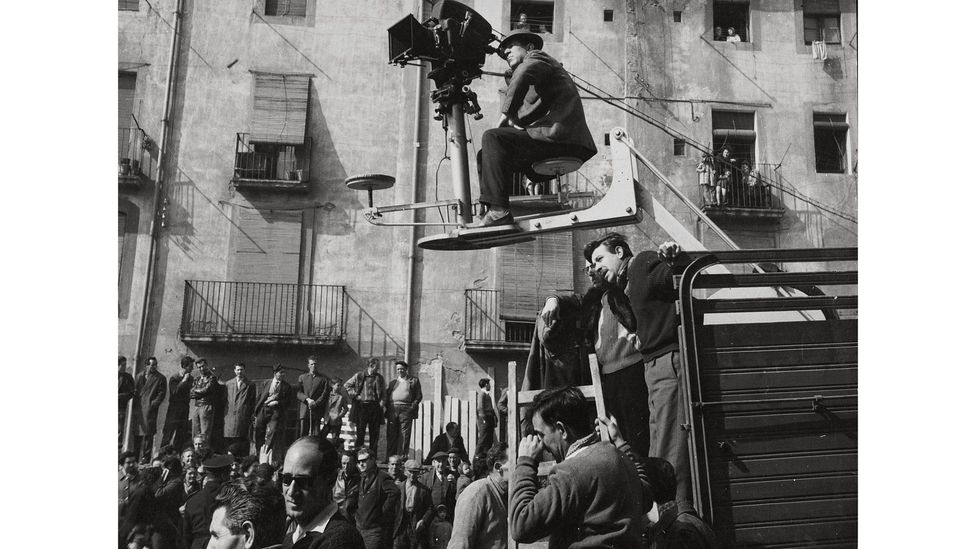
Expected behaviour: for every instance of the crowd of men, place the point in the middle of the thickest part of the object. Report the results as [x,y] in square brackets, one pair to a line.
[600,491]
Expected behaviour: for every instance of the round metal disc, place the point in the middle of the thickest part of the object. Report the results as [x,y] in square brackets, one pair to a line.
[557,166]
[450,242]
[370,181]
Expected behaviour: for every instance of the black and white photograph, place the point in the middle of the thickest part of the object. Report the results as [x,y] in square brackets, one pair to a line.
[427,274]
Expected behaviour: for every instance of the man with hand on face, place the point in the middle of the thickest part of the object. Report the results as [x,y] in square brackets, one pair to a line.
[597,491]
[308,475]
[542,117]
[247,515]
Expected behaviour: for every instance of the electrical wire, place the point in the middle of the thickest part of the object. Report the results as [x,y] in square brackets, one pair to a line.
[170,25]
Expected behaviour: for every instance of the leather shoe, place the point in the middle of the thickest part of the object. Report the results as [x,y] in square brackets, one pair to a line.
[492,219]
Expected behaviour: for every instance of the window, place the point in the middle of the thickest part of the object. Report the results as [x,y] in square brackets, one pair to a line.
[129,5]
[732,16]
[679,147]
[830,142]
[532,271]
[608,15]
[821,21]
[280,108]
[677,16]
[127,93]
[532,15]
[736,131]
[293,8]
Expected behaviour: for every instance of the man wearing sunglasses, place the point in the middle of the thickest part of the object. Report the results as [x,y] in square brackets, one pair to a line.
[308,475]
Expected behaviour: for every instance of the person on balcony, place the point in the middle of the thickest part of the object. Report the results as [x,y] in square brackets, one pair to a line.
[542,117]
[755,195]
[706,179]
[733,36]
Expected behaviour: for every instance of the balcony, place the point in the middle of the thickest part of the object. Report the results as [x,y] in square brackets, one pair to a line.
[486,329]
[135,162]
[763,201]
[260,312]
[271,166]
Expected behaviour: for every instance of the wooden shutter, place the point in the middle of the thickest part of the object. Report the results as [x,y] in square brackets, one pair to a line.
[122,218]
[532,271]
[127,95]
[280,108]
[267,246]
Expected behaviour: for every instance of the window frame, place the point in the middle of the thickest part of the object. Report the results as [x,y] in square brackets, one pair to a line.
[267,3]
[511,9]
[745,29]
[828,127]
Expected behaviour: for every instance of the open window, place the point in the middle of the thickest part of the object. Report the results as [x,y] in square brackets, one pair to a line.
[536,16]
[821,21]
[290,8]
[830,142]
[736,131]
[730,20]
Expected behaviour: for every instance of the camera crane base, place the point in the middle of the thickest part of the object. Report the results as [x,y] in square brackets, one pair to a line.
[617,207]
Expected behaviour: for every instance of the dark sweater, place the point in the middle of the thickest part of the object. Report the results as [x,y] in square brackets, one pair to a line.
[338,534]
[652,299]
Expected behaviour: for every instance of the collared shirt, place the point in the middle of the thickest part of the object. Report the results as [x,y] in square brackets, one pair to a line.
[318,524]
[372,389]
[411,491]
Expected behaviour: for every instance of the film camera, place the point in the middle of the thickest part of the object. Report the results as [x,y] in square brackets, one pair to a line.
[454,40]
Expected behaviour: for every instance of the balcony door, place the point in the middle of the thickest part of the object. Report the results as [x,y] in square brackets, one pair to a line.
[530,272]
[266,264]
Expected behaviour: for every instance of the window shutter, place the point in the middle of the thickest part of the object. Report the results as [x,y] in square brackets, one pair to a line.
[122,218]
[821,7]
[127,95]
[267,246]
[280,108]
[294,8]
[531,271]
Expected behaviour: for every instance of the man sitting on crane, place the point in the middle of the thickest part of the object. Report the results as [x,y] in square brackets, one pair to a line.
[542,117]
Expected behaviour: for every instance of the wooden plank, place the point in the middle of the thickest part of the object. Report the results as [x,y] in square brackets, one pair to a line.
[832,533]
[777,382]
[791,356]
[428,427]
[795,511]
[513,434]
[789,279]
[842,484]
[601,407]
[526,397]
[438,366]
[471,417]
[832,462]
[779,333]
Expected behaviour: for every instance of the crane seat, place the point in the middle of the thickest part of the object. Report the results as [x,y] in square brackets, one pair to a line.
[369,182]
[560,165]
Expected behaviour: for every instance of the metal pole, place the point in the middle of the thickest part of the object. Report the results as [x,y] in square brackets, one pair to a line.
[415,184]
[459,161]
[154,223]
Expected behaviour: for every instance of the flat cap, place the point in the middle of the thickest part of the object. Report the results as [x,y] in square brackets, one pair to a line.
[413,465]
[277,368]
[439,455]
[219,461]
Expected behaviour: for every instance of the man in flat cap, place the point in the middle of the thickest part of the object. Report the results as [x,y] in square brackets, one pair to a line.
[269,409]
[542,117]
[443,489]
[415,511]
[198,509]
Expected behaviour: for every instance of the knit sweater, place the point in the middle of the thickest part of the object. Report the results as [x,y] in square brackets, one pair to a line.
[595,498]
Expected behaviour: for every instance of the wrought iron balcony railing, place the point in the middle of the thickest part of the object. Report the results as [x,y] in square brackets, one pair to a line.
[261,312]
[134,160]
[262,165]
[738,193]
[485,329]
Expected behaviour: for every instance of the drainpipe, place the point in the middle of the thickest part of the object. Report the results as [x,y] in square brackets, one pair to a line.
[157,193]
[415,184]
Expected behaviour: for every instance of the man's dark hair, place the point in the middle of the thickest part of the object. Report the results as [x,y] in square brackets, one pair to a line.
[186,362]
[247,462]
[152,358]
[366,451]
[121,360]
[263,473]
[173,464]
[127,454]
[612,241]
[201,361]
[404,364]
[452,426]
[496,454]
[479,466]
[565,404]
[241,364]
[484,382]
[312,357]
[660,475]
[254,502]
